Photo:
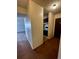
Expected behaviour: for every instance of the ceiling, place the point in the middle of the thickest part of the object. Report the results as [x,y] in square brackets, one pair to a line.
[22,3]
[44,3]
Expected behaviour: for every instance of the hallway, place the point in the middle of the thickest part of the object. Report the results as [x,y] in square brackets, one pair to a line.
[48,50]
[24,50]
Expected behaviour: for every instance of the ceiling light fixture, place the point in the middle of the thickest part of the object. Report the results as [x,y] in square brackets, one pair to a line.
[53,6]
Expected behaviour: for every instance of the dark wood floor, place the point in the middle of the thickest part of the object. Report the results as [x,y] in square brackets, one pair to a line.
[49,49]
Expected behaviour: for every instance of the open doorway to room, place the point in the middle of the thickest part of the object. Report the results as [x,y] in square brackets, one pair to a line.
[57,32]
[23,28]
[45,26]
[20,27]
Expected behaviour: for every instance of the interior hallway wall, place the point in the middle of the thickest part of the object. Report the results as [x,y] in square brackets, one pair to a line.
[51,22]
[27,24]
[36,17]
[21,10]
[28,30]
[58,15]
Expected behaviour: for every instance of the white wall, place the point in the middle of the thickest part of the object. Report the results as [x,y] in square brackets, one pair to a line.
[36,17]
[58,15]
[50,25]
[28,29]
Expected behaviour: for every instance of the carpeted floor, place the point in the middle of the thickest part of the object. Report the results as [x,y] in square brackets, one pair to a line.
[48,50]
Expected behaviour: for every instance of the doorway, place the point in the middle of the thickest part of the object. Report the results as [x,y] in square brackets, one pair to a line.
[57,28]
[20,23]
[45,28]
[20,27]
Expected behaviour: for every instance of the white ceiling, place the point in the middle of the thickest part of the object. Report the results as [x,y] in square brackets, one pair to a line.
[43,3]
